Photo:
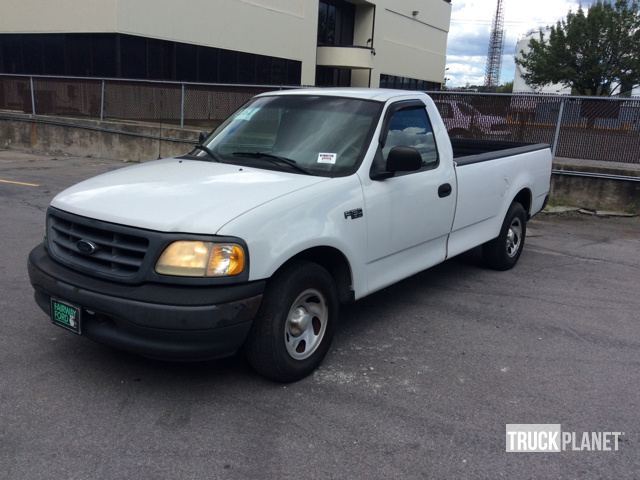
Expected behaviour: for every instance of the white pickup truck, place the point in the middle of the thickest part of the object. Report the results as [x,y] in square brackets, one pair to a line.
[300,201]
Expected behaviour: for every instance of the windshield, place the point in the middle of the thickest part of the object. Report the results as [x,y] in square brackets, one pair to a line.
[318,135]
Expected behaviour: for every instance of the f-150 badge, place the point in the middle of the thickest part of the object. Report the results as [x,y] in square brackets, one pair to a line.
[353,214]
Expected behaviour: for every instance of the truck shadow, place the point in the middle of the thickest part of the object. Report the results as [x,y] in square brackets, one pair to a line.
[445,276]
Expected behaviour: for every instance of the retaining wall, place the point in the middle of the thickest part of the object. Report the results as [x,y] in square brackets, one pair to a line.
[137,142]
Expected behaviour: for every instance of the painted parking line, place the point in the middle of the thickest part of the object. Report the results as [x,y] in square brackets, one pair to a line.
[24,184]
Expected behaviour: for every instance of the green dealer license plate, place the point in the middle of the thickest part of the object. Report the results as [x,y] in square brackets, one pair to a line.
[65,315]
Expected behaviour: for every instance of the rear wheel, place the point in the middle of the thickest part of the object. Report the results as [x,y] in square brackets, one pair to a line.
[503,252]
[294,327]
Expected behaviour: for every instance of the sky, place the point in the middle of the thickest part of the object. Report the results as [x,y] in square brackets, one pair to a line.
[471,25]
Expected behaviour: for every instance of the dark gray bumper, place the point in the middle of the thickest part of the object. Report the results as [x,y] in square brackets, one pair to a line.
[157,320]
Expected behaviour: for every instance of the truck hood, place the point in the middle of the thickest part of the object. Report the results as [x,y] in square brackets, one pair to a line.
[178,195]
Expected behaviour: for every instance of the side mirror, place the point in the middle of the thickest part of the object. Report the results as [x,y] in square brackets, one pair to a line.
[202,137]
[404,159]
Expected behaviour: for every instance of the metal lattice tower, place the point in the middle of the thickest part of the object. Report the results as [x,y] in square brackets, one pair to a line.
[496,47]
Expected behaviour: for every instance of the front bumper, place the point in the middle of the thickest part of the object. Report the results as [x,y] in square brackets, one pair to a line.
[181,322]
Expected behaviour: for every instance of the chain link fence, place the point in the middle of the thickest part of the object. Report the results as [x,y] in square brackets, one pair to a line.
[180,104]
[600,130]
[55,96]
[605,129]
[16,94]
[211,105]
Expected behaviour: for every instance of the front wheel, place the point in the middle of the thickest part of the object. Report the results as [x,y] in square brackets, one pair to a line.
[293,329]
[503,252]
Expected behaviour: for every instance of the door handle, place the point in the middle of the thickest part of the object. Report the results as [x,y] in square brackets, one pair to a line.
[444,190]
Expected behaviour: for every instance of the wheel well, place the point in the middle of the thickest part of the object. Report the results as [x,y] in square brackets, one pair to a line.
[524,198]
[336,264]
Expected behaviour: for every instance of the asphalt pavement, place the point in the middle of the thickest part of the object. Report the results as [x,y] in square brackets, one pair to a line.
[420,381]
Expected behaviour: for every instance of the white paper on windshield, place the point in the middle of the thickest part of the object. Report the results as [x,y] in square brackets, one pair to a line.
[329,158]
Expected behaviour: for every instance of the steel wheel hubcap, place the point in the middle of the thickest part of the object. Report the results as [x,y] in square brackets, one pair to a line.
[514,237]
[306,324]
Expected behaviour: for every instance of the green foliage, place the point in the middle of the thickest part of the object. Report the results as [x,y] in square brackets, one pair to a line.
[593,53]
[505,88]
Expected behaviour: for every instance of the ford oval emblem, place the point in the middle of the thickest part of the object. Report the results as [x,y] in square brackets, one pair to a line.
[86,247]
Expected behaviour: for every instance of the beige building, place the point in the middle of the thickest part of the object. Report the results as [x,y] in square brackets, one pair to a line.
[389,43]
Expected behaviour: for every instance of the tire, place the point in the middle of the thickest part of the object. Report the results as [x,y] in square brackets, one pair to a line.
[288,340]
[503,252]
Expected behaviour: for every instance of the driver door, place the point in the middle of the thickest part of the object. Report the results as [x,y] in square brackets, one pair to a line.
[409,215]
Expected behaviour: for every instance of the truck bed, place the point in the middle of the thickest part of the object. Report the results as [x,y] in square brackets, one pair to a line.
[486,188]
[468,151]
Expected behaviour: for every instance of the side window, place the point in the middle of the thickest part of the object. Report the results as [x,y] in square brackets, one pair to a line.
[411,128]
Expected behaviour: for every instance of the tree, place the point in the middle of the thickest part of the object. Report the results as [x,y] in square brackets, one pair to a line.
[593,53]
[505,88]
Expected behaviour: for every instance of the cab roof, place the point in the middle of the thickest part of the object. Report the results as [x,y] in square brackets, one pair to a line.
[376,94]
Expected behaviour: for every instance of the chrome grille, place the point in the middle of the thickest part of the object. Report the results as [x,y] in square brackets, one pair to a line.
[118,254]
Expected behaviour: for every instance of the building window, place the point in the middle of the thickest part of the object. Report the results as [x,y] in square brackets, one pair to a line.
[336,19]
[127,56]
[333,77]
[405,83]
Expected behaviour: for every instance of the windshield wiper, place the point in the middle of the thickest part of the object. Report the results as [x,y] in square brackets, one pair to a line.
[208,151]
[275,159]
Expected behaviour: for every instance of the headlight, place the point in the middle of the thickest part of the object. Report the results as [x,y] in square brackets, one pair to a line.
[201,259]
